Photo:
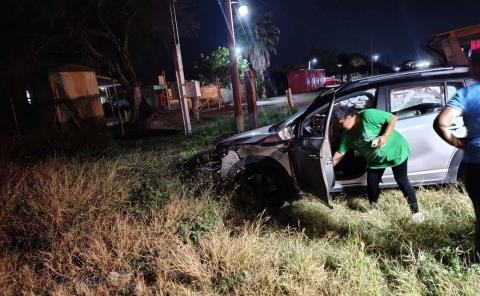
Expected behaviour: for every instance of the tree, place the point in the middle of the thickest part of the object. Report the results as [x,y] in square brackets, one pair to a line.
[105,34]
[108,28]
[215,67]
[353,63]
[24,28]
[261,43]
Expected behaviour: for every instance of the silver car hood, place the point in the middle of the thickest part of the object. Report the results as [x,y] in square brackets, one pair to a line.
[250,137]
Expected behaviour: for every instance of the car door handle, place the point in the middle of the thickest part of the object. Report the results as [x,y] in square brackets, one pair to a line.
[314,156]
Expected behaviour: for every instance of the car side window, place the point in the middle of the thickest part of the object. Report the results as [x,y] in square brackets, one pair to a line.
[360,101]
[412,101]
[314,124]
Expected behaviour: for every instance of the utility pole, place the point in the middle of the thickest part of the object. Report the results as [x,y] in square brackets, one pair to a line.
[179,71]
[251,88]
[237,101]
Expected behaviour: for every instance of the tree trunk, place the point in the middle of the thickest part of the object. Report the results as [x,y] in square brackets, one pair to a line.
[135,102]
[195,111]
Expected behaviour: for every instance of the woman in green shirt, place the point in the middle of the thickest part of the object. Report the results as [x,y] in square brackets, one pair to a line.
[371,133]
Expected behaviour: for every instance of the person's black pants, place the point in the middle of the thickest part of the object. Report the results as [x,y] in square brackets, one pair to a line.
[472,184]
[374,176]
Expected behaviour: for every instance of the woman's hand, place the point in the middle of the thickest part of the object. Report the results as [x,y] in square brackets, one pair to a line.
[379,142]
[382,140]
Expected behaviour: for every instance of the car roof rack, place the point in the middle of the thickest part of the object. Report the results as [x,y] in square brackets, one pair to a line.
[426,72]
[400,75]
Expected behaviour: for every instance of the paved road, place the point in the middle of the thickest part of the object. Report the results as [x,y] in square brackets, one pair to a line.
[299,100]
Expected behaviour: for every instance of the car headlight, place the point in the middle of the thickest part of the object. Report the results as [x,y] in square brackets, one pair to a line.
[286,133]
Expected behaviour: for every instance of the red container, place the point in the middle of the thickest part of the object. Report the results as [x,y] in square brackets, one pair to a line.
[306,80]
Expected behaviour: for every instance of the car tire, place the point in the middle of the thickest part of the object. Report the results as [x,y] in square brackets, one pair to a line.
[260,190]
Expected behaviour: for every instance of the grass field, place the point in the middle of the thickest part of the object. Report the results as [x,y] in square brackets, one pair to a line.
[85,214]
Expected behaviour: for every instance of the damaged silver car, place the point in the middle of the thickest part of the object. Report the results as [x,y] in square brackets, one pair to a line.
[275,163]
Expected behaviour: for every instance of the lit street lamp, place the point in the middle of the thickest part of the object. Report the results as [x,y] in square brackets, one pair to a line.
[243,10]
[312,62]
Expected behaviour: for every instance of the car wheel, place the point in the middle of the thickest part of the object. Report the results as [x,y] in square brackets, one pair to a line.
[259,190]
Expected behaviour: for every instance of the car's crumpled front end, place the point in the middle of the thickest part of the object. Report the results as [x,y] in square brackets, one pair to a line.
[231,155]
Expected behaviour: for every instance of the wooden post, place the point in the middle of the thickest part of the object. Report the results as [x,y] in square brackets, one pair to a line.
[290,100]
[179,72]
[14,116]
[237,100]
[251,89]
[110,100]
[196,113]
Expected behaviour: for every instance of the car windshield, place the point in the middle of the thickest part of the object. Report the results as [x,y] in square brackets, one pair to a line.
[289,121]
[277,127]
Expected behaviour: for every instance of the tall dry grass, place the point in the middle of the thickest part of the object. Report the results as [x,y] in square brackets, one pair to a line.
[132,225]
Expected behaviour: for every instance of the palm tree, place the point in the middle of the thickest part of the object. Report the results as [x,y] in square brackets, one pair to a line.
[262,41]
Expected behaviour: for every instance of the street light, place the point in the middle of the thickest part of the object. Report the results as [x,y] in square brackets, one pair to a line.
[237,102]
[312,62]
[243,10]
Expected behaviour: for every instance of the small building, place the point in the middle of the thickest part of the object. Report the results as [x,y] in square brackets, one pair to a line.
[76,94]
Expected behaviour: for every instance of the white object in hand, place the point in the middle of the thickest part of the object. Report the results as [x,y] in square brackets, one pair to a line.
[375,142]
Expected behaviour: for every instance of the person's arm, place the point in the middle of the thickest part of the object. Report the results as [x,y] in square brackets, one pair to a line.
[443,121]
[337,157]
[388,131]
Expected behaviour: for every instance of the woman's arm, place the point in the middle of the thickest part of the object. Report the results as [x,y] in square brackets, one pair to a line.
[388,131]
[337,157]
[443,121]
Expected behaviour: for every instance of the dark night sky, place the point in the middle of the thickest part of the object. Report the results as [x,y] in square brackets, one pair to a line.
[398,28]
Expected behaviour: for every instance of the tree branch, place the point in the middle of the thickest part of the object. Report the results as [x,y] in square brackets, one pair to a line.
[109,33]
[114,69]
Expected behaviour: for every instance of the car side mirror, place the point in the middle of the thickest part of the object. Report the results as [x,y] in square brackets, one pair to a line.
[286,133]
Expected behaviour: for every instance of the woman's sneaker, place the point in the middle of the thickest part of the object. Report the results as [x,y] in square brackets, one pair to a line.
[418,218]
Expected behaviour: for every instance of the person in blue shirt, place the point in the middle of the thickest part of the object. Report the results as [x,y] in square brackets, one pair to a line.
[466,103]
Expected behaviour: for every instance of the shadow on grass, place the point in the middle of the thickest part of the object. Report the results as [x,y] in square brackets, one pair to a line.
[385,232]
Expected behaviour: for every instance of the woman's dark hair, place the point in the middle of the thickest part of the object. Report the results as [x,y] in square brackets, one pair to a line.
[343,112]
[475,64]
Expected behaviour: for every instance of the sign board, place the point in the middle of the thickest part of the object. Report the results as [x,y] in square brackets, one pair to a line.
[192,89]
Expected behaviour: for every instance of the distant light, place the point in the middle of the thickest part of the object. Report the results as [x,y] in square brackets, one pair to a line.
[29,101]
[238,50]
[423,64]
[243,10]
[396,68]
[314,60]
[27,93]
[375,57]
[339,65]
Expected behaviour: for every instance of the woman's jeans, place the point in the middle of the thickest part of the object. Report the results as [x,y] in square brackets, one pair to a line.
[472,183]
[374,176]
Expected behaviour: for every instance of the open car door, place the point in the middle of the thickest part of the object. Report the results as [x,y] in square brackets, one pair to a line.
[311,154]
